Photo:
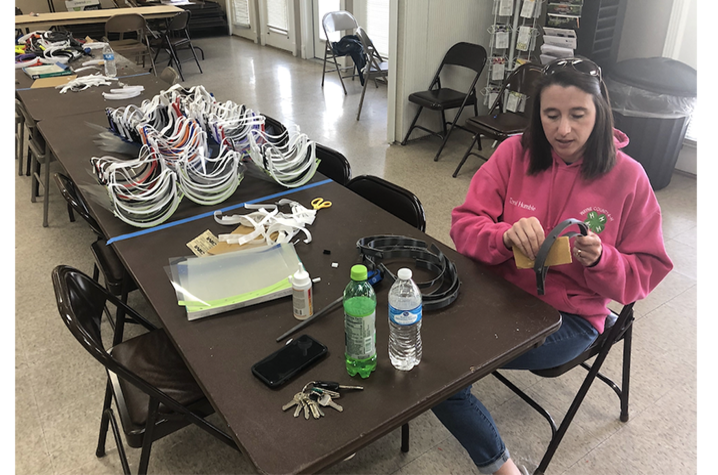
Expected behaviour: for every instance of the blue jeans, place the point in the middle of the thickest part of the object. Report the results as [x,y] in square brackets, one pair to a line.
[470,422]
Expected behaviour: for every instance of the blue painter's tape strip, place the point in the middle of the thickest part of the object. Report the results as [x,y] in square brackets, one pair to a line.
[211,213]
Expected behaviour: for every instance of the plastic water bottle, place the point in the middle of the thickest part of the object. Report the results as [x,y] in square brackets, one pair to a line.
[109,57]
[405,311]
[359,324]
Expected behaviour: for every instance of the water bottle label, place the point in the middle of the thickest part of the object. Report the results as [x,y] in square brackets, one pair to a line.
[360,336]
[109,57]
[404,317]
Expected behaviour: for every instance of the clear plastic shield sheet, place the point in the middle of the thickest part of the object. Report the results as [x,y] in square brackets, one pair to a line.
[632,101]
[214,284]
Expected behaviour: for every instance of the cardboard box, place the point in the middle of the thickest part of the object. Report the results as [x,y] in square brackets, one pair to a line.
[82,5]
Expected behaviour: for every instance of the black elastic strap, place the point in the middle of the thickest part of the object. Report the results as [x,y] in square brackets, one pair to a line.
[539,268]
[430,257]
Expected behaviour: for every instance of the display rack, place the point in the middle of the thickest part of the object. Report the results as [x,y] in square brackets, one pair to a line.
[563,20]
[513,36]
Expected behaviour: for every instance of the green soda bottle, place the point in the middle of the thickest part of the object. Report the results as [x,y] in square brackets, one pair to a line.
[360,324]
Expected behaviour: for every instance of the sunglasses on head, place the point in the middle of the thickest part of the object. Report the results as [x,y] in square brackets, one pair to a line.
[583,66]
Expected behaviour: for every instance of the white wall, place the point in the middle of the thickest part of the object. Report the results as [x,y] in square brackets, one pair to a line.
[426,30]
[645,32]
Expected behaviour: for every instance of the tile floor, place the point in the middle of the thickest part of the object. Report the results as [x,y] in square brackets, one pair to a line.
[58,387]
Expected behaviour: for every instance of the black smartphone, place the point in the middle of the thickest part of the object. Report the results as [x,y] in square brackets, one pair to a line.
[285,363]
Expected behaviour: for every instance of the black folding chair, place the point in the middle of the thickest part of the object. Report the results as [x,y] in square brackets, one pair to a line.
[116,278]
[376,67]
[154,391]
[441,99]
[176,38]
[334,22]
[398,201]
[617,329]
[333,165]
[501,122]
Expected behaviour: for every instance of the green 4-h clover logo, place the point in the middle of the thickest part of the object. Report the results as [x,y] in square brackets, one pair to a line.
[596,222]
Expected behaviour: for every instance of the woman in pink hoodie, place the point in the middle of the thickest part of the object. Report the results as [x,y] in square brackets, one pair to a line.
[567,164]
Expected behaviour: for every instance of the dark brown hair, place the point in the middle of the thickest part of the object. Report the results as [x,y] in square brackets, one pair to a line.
[599,152]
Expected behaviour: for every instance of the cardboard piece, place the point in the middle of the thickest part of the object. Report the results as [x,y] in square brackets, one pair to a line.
[223,247]
[52,82]
[560,253]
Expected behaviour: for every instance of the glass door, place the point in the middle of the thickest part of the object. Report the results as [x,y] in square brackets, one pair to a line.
[373,16]
[243,19]
[319,9]
[277,24]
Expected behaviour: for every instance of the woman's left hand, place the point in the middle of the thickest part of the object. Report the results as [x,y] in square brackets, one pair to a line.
[588,249]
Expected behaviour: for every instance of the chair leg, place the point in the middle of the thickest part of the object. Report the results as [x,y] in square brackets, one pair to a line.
[411,127]
[405,437]
[46,188]
[339,73]
[120,445]
[627,340]
[361,101]
[173,57]
[558,437]
[477,137]
[147,437]
[34,185]
[447,133]
[324,65]
[195,58]
[104,422]
[19,147]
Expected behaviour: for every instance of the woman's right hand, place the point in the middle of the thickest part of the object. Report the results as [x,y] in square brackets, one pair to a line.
[526,235]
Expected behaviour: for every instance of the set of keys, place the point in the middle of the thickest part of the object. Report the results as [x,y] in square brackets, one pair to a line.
[314,396]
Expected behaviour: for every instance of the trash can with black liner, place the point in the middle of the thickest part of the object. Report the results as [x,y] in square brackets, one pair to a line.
[652,101]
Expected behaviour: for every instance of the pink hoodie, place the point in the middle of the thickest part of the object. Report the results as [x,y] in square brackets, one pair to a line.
[619,206]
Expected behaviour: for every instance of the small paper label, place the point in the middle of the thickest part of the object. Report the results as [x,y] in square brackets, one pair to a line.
[506,7]
[203,243]
[527,10]
[522,43]
[502,39]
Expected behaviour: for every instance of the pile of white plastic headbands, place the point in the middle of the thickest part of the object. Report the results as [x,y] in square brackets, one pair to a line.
[270,225]
[176,160]
[143,192]
[288,158]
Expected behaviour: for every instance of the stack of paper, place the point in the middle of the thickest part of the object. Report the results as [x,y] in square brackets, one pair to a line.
[557,43]
[47,70]
[214,284]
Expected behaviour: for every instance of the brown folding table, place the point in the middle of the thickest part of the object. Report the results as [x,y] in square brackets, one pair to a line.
[43,21]
[489,324]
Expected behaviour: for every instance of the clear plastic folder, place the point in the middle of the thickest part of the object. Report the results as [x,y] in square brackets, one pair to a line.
[214,284]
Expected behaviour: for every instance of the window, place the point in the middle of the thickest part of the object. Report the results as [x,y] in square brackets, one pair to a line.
[377,24]
[277,16]
[240,11]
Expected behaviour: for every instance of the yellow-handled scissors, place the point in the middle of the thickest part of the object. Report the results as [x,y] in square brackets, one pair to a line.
[319,203]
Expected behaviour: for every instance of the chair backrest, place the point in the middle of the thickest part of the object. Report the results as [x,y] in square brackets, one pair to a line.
[468,55]
[372,55]
[338,21]
[333,164]
[169,75]
[69,192]
[522,80]
[398,201]
[125,23]
[179,21]
[611,335]
[81,301]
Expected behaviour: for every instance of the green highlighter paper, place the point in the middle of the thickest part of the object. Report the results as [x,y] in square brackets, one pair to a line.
[214,284]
